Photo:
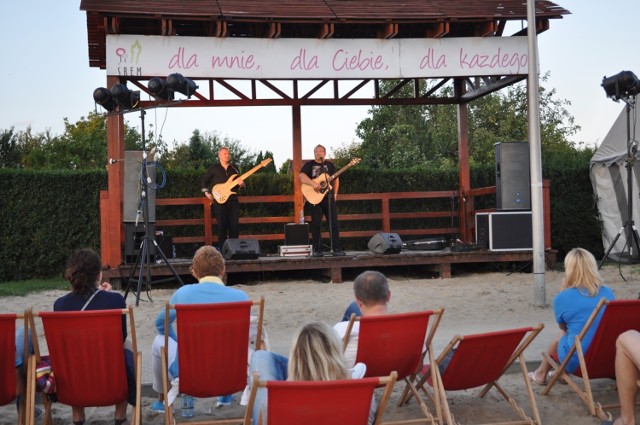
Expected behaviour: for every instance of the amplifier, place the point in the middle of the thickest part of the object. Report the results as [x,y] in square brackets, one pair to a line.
[296,234]
[504,231]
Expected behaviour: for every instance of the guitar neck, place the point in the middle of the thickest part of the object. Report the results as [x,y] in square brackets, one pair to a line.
[250,172]
[340,171]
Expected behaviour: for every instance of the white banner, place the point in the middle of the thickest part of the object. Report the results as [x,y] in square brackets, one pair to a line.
[290,58]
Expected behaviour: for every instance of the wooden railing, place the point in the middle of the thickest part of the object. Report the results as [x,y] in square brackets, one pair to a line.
[384,217]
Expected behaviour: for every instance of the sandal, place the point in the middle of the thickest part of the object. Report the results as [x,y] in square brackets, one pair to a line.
[532,378]
[124,421]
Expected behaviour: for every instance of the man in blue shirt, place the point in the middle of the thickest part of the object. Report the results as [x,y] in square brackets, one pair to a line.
[208,268]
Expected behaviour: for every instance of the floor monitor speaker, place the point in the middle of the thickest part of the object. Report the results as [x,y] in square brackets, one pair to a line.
[241,249]
[385,243]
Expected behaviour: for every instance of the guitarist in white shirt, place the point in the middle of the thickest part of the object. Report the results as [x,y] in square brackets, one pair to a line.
[309,171]
[228,213]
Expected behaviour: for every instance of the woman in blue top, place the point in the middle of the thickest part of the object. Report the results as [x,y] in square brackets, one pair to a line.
[582,289]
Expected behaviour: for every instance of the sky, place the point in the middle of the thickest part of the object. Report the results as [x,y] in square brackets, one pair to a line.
[45,77]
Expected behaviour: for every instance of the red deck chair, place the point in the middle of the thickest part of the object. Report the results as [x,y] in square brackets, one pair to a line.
[398,342]
[481,360]
[599,360]
[346,401]
[87,357]
[212,350]
[8,366]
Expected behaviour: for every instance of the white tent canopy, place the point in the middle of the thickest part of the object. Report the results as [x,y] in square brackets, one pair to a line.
[609,178]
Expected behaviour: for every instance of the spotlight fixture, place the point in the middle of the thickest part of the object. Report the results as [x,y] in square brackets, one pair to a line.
[104,98]
[118,97]
[158,89]
[177,82]
[126,98]
[623,85]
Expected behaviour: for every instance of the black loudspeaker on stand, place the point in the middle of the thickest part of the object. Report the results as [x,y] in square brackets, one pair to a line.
[241,249]
[385,243]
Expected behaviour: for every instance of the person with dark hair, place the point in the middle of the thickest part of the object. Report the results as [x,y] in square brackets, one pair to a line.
[84,272]
[228,213]
[327,206]
[372,294]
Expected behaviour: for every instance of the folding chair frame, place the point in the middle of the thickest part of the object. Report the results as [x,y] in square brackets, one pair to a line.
[434,316]
[26,402]
[586,394]
[531,333]
[136,416]
[384,381]
[169,414]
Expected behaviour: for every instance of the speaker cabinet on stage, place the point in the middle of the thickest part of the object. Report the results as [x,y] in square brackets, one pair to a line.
[504,231]
[385,243]
[513,187]
[133,239]
[132,187]
[241,249]
[296,234]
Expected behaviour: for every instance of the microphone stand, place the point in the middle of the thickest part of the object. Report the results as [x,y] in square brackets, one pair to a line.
[329,203]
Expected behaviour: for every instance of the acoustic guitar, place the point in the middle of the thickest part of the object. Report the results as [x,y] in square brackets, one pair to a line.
[315,196]
[222,191]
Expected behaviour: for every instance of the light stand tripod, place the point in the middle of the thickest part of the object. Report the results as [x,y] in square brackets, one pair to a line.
[629,225]
[143,259]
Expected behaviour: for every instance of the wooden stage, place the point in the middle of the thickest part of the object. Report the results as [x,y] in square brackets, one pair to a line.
[440,261]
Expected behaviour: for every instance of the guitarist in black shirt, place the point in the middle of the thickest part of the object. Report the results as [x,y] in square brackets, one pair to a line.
[228,213]
[312,170]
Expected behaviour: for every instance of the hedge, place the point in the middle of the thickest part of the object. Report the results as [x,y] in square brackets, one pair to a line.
[45,215]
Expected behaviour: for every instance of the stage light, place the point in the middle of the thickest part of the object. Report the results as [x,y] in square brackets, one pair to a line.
[621,86]
[158,89]
[177,82]
[104,98]
[126,98]
[119,97]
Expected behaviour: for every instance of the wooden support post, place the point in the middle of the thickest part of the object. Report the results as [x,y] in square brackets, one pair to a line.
[463,162]
[112,230]
[336,275]
[297,160]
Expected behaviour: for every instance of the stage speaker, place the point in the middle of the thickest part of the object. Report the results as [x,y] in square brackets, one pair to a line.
[385,243]
[296,234]
[241,249]
[132,188]
[133,239]
[504,231]
[513,187]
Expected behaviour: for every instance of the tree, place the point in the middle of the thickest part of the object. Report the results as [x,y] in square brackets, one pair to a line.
[10,150]
[404,136]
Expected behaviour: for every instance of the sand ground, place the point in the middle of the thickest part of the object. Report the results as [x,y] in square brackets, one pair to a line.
[474,301]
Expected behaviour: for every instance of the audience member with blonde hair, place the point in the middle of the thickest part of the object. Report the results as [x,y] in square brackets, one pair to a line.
[315,355]
[581,290]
